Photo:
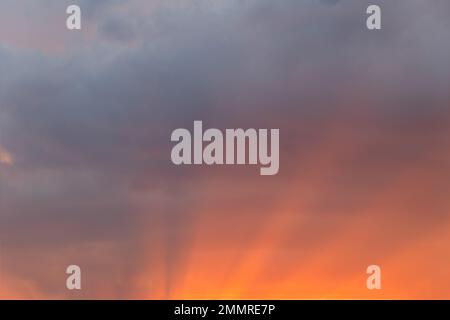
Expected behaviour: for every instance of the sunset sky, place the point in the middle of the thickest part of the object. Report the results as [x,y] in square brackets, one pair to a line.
[86,176]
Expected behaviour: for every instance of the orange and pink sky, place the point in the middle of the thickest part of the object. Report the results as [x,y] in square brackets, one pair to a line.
[85,170]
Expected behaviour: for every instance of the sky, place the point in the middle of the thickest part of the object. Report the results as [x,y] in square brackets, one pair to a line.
[85,170]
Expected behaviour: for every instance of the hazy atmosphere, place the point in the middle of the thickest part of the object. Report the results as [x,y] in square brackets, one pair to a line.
[85,170]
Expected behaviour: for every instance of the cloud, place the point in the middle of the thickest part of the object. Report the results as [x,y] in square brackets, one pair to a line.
[363,118]
[5,157]
[330,2]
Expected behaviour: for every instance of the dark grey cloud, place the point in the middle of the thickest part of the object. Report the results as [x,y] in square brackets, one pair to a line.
[117,30]
[330,2]
[110,108]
